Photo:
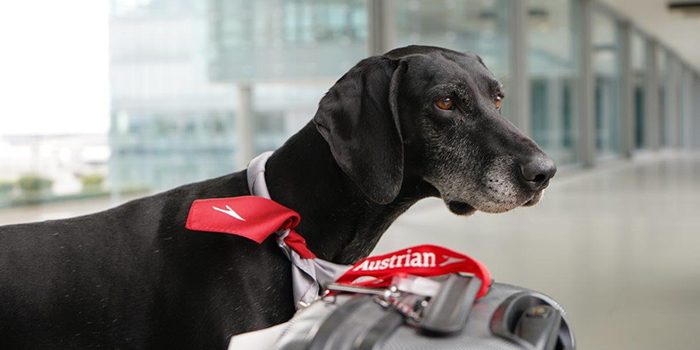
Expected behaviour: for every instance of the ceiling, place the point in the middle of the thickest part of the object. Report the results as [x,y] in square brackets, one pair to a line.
[677,30]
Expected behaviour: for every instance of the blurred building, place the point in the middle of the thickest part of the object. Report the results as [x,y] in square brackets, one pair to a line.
[182,69]
[200,86]
[169,123]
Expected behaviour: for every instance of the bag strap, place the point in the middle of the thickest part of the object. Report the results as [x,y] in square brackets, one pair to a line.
[356,324]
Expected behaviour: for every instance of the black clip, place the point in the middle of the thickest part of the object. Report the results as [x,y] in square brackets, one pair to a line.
[447,311]
[529,320]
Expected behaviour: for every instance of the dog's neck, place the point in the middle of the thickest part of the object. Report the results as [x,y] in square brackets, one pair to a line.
[339,223]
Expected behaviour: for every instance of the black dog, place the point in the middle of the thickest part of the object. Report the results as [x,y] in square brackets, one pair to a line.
[416,122]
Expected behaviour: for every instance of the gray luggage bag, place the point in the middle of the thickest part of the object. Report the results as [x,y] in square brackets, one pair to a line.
[507,317]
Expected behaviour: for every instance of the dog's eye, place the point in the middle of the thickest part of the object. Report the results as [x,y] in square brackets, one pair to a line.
[498,102]
[445,103]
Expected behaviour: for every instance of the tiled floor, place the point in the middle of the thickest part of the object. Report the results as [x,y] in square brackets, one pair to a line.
[618,246]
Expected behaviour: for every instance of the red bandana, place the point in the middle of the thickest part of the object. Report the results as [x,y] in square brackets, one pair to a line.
[252,217]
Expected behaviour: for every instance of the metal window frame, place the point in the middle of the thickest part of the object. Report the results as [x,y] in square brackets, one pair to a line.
[695,120]
[652,100]
[586,86]
[519,89]
[627,120]
[381,26]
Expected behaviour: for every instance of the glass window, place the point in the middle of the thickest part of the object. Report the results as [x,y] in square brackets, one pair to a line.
[606,67]
[176,73]
[479,26]
[639,76]
[553,69]
[292,39]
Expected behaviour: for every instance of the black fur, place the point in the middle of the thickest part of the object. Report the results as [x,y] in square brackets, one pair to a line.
[134,277]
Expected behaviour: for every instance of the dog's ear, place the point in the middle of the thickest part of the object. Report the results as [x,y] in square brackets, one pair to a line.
[358,117]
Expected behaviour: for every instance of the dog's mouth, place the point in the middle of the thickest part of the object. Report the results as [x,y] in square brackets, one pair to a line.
[535,199]
[466,209]
[460,208]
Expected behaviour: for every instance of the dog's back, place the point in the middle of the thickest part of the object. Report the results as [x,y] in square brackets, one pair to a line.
[129,277]
[70,275]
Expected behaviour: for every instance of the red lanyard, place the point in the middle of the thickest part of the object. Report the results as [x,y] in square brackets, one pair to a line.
[423,260]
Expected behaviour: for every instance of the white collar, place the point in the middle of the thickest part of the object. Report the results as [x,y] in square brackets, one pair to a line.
[309,276]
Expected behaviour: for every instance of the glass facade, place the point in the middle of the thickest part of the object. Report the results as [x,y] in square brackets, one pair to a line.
[606,68]
[177,67]
[285,39]
[553,71]
[170,123]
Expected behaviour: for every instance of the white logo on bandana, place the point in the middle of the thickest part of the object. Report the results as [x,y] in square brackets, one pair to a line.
[230,212]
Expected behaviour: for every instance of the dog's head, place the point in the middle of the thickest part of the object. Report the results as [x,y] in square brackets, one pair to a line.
[433,114]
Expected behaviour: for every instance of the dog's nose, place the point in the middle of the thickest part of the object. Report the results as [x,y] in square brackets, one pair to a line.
[538,171]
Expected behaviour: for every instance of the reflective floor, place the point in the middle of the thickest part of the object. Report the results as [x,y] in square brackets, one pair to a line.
[617,246]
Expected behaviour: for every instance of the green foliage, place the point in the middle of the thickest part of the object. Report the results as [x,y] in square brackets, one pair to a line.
[34,188]
[92,182]
[34,183]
